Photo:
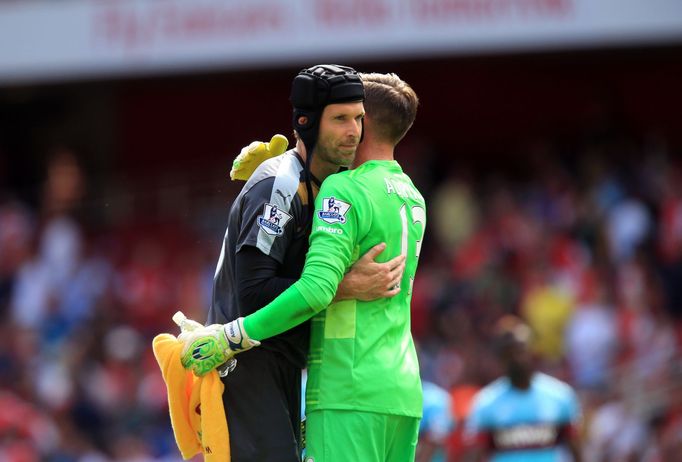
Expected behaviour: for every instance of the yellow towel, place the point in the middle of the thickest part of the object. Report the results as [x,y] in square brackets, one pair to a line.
[195,404]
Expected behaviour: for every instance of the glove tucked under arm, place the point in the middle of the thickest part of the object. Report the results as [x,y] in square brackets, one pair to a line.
[209,347]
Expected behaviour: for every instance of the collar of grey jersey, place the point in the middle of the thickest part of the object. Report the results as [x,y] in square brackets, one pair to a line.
[287,166]
[317,182]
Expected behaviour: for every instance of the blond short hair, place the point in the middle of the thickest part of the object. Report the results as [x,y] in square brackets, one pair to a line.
[391,104]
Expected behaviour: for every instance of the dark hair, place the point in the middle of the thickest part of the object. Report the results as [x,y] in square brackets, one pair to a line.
[391,104]
[508,331]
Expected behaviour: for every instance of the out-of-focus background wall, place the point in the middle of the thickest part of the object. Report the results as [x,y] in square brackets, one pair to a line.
[547,145]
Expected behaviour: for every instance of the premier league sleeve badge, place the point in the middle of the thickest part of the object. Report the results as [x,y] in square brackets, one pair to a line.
[333,210]
[273,220]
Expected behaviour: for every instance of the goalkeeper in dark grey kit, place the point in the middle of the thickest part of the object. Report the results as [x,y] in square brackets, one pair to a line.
[264,251]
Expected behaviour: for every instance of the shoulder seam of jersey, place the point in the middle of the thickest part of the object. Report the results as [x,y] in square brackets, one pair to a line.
[271,168]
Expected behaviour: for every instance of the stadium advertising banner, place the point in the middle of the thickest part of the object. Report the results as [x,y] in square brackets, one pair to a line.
[48,40]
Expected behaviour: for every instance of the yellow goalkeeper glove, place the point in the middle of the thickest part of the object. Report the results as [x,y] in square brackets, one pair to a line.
[209,347]
[254,154]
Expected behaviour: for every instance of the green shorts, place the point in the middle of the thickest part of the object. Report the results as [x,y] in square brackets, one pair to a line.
[342,436]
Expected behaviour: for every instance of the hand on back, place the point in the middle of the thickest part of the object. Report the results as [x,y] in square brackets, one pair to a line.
[369,280]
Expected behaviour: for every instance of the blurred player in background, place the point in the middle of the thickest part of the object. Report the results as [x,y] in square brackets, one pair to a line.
[525,416]
[364,397]
[263,253]
[436,424]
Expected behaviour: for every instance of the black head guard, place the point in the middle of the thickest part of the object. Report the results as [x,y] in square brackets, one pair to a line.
[313,89]
[316,87]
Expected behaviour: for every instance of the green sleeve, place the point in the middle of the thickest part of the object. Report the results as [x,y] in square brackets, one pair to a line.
[332,242]
[288,310]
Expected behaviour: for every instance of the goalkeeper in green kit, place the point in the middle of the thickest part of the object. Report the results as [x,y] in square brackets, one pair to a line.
[364,398]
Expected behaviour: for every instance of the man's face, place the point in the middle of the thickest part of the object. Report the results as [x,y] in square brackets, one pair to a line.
[518,358]
[340,130]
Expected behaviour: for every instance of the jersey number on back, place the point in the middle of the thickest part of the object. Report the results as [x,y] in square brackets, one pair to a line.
[418,216]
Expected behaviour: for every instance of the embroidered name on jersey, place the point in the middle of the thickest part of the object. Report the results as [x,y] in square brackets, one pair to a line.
[273,220]
[333,210]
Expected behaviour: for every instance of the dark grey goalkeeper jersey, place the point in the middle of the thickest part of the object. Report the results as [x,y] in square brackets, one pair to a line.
[271,213]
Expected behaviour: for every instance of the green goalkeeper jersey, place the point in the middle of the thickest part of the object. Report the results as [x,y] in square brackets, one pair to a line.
[362,356]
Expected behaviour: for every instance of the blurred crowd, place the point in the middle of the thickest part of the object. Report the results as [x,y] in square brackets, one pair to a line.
[584,242]
[79,307]
[586,246]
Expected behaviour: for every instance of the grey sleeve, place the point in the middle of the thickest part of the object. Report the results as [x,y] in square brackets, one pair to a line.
[268,221]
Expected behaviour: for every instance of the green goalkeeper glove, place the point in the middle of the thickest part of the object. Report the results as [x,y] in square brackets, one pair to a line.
[209,347]
[254,154]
